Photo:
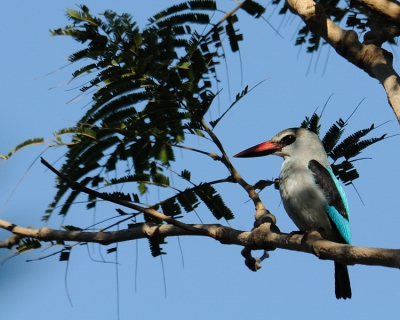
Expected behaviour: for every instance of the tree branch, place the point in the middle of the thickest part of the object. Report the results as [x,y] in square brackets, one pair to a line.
[265,237]
[147,211]
[374,60]
[262,214]
[386,8]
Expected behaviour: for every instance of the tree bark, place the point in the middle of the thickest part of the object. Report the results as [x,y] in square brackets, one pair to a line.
[367,55]
[265,237]
[389,9]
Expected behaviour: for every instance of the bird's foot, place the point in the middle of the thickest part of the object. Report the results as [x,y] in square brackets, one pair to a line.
[309,234]
[292,234]
[312,235]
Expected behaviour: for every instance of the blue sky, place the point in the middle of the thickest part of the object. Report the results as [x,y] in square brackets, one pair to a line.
[211,280]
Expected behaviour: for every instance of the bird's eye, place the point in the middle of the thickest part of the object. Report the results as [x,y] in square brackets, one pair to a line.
[289,139]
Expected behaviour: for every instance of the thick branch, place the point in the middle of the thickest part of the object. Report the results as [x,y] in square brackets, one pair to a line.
[265,237]
[374,60]
[386,8]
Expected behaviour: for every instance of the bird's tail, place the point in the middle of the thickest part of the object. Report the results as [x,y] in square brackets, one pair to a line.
[342,281]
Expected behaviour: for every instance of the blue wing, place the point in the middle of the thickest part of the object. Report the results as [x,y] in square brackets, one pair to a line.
[336,207]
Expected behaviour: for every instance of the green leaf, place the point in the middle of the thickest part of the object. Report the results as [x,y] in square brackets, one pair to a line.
[261,184]
[171,208]
[26,143]
[356,149]
[347,149]
[333,135]
[110,250]
[188,200]
[232,36]
[157,179]
[185,174]
[253,8]
[239,96]
[28,244]
[312,123]
[77,131]
[83,16]
[120,211]
[352,146]
[64,255]
[155,246]
[213,201]
[120,195]
[71,228]
[345,171]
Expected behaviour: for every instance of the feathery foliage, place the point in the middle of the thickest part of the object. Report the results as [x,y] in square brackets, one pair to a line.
[342,152]
[152,87]
[28,244]
[24,144]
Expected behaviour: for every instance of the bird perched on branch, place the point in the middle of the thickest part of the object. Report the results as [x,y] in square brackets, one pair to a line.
[310,192]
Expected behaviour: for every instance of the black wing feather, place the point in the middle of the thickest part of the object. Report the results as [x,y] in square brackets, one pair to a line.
[328,186]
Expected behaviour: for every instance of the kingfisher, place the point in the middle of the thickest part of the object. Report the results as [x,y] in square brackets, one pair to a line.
[311,194]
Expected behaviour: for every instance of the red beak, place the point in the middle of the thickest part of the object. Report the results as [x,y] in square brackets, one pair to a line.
[262,149]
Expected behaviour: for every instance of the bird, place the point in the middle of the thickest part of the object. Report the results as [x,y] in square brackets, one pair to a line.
[310,192]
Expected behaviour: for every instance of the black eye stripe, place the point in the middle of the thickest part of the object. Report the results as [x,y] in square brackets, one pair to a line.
[287,140]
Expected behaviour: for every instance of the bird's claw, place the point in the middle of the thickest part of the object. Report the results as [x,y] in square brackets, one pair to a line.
[292,234]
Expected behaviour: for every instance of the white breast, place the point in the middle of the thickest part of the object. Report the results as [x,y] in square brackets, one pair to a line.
[304,202]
